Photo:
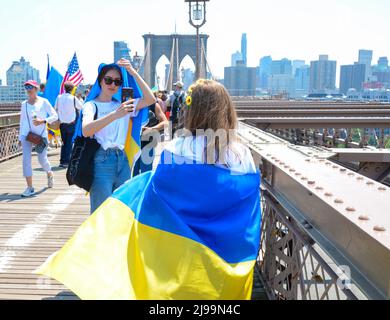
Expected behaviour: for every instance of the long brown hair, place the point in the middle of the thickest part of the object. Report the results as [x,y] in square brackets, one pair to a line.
[210,108]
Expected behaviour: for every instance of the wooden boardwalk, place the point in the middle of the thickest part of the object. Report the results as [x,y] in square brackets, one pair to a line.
[34,228]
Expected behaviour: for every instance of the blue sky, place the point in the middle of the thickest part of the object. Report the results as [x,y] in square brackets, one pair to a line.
[300,29]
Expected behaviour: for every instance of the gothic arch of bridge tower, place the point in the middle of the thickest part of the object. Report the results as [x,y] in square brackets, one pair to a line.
[176,47]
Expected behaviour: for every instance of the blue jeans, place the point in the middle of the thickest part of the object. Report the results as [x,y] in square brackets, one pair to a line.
[67,132]
[112,170]
[149,154]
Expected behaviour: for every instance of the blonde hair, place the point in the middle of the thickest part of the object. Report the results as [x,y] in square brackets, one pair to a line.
[211,109]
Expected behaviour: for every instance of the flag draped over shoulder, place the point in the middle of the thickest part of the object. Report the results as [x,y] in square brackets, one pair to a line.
[187,231]
[53,86]
[133,140]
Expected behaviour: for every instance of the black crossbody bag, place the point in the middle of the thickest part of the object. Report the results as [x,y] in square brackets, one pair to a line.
[81,165]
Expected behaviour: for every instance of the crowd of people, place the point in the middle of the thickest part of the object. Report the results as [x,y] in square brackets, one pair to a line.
[206,106]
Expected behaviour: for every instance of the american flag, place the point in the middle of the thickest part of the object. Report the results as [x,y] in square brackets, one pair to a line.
[73,74]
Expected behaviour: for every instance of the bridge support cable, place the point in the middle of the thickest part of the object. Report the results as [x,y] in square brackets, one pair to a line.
[169,81]
[205,62]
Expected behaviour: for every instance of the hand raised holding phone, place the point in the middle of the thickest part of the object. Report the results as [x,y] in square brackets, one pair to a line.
[125,108]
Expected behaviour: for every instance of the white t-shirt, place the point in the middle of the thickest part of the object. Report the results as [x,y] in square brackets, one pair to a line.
[42,109]
[238,157]
[114,135]
[65,107]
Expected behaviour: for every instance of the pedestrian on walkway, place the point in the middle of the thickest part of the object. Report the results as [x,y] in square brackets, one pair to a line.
[36,112]
[67,107]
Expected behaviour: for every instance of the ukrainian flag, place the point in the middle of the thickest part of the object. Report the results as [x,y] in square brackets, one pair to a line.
[187,231]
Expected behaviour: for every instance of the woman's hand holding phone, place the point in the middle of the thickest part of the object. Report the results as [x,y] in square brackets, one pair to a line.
[125,108]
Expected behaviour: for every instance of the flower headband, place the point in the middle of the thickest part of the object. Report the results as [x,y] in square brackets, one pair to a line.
[189,97]
[191,89]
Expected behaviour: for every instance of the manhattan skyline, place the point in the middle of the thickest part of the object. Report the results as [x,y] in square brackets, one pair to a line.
[300,30]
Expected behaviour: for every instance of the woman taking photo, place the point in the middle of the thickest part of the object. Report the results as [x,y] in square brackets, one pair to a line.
[111,127]
[36,112]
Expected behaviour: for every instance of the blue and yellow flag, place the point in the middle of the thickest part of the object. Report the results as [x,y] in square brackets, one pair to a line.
[187,231]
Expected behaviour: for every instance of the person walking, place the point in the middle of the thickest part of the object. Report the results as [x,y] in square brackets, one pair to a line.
[67,107]
[176,102]
[36,112]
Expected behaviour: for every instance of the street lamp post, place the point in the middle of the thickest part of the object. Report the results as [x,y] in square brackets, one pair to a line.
[197,14]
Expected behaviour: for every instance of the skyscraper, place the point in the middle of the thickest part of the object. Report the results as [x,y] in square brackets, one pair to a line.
[365,57]
[236,57]
[240,80]
[323,75]
[283,66]
[297,64]
[19,72]
[264,71]
[244,48]
[383,63]
[302,80]
[121,50]
[352,77]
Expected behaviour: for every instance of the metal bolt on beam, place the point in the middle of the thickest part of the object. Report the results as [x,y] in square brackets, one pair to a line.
[328,194]
[382,188]
[379,229]
[319,188]
[298,174]
[311,182]
[350,209]
[364,218]
[304,178]
[370,183]
[338,201]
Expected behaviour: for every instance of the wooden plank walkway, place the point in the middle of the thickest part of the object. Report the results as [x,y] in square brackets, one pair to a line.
[32,229]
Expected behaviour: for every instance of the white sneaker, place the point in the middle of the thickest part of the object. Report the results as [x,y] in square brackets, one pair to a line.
[50,182]
[29,192]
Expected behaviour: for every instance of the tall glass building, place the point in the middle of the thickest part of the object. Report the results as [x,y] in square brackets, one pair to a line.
[244,48]
[121,50]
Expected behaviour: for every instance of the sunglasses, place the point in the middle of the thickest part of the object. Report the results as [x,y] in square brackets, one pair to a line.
[109,81]
[29,87]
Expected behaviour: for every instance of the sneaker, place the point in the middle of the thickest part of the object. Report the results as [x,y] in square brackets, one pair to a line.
[29,192]
[50,182]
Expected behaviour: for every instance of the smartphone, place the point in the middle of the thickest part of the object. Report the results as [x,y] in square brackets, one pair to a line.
[127,94]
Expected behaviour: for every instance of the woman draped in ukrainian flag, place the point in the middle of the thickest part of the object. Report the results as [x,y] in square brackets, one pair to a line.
[189,230]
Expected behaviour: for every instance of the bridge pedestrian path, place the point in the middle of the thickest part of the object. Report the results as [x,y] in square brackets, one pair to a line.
[32,229]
